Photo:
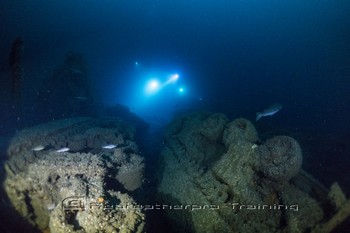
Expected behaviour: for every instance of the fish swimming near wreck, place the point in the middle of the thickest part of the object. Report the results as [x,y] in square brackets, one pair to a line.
[64,149]
[110,146]
[81,98]
[38,148]
[268,111]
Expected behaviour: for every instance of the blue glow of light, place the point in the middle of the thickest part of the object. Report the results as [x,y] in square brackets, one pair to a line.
[181,90]
[152,86]
[173,78]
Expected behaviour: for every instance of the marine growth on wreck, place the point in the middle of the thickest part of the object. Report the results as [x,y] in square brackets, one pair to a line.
[174,116]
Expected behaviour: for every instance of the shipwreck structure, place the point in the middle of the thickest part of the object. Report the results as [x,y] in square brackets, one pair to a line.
[218,176]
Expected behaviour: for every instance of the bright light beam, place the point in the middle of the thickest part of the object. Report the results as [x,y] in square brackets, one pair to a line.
[152,86]
[173,78]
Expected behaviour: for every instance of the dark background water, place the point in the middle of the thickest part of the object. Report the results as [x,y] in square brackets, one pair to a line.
[235,57]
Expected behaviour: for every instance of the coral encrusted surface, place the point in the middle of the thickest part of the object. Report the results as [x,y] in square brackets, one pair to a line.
[83,189]
[218,176]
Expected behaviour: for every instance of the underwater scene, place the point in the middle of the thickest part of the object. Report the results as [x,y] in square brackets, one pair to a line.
[175,116]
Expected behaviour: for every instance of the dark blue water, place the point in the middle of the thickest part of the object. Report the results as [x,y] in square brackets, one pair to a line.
[235,57]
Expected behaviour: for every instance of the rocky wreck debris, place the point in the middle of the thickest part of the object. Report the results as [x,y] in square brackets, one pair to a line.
[85,189]
[227,180]
[280,158]
[130,173]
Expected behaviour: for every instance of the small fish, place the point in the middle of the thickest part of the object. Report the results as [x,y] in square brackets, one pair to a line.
[111,146]
[81,98]
[64,149]
[268,111]
[38,148]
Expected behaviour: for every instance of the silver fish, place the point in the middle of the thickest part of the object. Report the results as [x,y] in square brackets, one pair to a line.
[111,146]
[268,111]
[81,98]
[38,148]
[64,149]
